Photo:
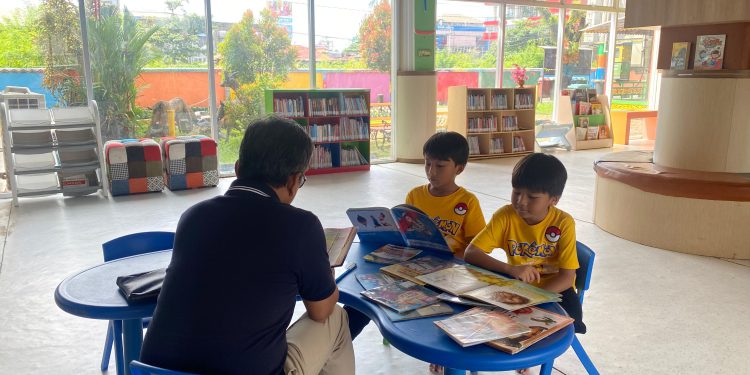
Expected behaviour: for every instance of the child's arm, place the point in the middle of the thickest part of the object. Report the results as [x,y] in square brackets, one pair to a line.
[560,282]
[474,255]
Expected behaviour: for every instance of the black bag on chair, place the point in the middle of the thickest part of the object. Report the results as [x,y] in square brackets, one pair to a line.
[142,287]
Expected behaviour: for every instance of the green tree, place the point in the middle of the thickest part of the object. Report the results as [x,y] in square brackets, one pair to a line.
[176,41]
[375,37]
[17,34]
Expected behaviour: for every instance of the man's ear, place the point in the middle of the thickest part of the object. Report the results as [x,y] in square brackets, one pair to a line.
[292,182]
[237,168]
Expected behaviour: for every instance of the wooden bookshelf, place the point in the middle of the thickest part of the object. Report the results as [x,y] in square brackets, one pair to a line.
[496,122]
[337,120]
[566,115]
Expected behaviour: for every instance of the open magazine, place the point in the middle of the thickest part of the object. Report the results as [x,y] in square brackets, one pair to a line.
[542,323]
[338,242]
[480,325]
[482,285]
[402,225]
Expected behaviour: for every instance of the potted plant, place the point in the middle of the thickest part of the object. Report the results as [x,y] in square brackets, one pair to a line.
[519,75]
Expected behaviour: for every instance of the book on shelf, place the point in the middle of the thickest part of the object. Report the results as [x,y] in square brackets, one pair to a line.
[402,225]
[603,132]
[412,269]
[510,123]
[323,106]
[350,155]
[592,132]
[499,101]
[374,280]
[518,144]
[496,146]
[480,325]
[475,102]
[354,129]
[709,52]
[584,108]
[524,101]
[680,53]
[289,107]
[596,108]
[583,122]
[482,124]
[488,287]
[402,296]
[321,157]
[338,242]
[473,145]
[541,323]
[391,254]
[355,105]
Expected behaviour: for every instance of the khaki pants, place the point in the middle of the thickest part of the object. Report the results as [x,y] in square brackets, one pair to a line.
[320,348]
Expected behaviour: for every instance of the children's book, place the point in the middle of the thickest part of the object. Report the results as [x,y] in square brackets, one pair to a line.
[592,132]
[541,323]
[374,280]
[488,287]
[402,225]
[603,133]
[596,109]
[338,242]
[680,53]
[422,312]
[480,325]
[409,270]
[391,254]
[402,296]
[709,52]
[447,297]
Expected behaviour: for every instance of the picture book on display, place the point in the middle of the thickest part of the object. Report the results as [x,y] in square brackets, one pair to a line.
[410,270]
[680,53]
[488,287]
[338,242]
[709,52]
[480,325]
[402,296]
[391,254]
[402,225]
[541,323]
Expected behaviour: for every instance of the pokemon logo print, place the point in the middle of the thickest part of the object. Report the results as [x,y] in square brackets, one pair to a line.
[530,250]
[461,209]
[447,226]
[552,234]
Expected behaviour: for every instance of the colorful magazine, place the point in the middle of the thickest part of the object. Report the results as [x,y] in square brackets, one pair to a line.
[680,53]
[480,325]
[421,266]
[391,254]
[542,323]
[422,312]
[488,287]
[402,225]
[402,297]
[338,242]
[461,301]
[374,280]
[709,52]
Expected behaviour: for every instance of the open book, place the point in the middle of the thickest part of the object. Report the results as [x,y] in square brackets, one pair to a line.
[402,225]
[402,296]
[412,269]
[542,323]
[374,280]
[338,242]
[485,286]
[480,325]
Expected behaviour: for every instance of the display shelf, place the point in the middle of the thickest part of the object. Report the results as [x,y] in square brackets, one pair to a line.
[566,115]
[330,117]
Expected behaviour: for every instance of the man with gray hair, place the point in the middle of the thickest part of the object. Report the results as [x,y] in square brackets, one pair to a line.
[238,263]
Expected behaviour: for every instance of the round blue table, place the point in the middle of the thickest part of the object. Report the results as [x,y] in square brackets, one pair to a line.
[422,339]
[93,293]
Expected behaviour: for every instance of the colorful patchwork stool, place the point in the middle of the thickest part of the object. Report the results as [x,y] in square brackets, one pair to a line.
[134,166]
[190,162]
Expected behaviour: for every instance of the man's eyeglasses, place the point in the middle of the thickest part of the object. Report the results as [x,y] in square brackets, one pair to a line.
[302,180]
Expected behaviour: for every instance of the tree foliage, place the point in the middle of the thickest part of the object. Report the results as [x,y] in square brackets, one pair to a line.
[17,35]
[375,37]
[176,41]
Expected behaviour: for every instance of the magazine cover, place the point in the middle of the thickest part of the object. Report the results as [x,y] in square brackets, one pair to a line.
[374,280]
[375,224]
[513,296]
[422,312]
[541,323]
[480,325]
[402,297]
[709,52]
[680,53]
[418,229]
[461,301]
[455,280]
[391,254]
[402,225]
[409,270]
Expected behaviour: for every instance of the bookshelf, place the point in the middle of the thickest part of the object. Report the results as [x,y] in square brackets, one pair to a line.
[337,121]
[496,122]
[566,114]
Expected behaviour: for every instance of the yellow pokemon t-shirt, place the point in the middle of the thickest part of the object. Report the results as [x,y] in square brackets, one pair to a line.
[458,215]
[548,245]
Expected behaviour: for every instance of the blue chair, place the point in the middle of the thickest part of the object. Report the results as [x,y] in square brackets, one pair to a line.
[121,247]
[583,280]
[139,368]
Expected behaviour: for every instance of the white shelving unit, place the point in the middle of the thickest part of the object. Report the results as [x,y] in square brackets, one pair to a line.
[52,151]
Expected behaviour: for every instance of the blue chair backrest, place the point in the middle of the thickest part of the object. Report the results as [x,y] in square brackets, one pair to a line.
[140,368]
[137,243]
[585,266]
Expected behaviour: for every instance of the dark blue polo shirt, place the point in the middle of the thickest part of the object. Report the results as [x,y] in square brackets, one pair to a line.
[239,261]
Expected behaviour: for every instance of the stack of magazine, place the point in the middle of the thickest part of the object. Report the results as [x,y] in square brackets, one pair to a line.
[403,300]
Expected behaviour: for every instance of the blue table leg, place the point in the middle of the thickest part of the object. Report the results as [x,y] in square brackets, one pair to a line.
[117,333]
[132,330]
[452,371]
[546,368]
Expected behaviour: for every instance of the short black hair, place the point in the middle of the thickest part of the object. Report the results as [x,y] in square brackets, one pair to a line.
[540,173]
[447,146]
[273,149]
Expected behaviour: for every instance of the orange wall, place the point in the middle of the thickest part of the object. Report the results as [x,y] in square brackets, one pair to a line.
[191,86]
[301,80]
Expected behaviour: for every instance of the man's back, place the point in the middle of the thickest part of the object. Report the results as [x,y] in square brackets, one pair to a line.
[239,261]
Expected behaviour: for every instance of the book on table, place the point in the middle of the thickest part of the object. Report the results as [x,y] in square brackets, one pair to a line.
[402,296]
[402,225]
[374,280]
[391,254]
[541,323]
[480,325]
[338,242]
[410,270]
[488,287]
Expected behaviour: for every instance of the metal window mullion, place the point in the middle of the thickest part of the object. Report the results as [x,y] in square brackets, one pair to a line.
[500,45]
[311,41]
[211,73]
[86,52]
[611,57]
[557,89]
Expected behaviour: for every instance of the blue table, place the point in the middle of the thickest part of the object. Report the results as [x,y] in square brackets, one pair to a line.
[423,340]
[93,293]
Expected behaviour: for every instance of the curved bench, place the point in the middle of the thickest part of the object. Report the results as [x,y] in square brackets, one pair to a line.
[681,210]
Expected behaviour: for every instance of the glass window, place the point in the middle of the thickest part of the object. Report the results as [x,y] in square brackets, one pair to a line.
[633,54]
[607,3]
[531,44]
[353,50]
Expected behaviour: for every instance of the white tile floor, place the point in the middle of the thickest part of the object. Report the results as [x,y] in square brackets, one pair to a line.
[648,311]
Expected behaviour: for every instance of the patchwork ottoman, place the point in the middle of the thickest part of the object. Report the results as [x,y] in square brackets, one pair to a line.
[133,166]
[190,162]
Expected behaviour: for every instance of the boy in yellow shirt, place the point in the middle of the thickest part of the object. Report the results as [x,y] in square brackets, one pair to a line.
[454,210]
[539,238]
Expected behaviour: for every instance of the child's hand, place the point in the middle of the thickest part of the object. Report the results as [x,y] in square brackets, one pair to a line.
[527,274]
